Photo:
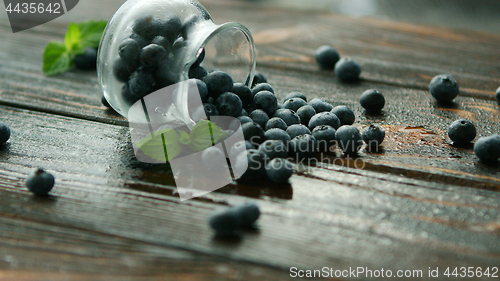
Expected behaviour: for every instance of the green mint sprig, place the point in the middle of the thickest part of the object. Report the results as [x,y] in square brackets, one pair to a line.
[58,57]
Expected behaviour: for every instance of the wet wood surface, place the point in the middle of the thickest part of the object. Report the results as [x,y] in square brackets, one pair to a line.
[417,203]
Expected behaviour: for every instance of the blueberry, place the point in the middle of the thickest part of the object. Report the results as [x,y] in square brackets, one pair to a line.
[345,114]
[295,95]
[141,83]
[305,113]
[151,55]
[87,60]
[162,41]
[147,27]
[444,88]
[279,170]
[320,105]
[498,95]
[255,161]
[104,102]
[210,110]
[218,82]
[129,51]
[273,149]
[327,57]
[40,183]
[258,79]
[4,133]
[278,134]
[372,101]
[275,122]
[229,104]
[212,155]
[347,69]
[373,135]
[349,139]
[249,213]
[294,104]
[289,116]
[260,117]
[266,101]
[324,118]
[239,147]
[245,119]
[462,131]
[253,132]
[242,91]
[262,87]
[297,130]
[121,70]
[302,146]
[202,89]
[197,72]
[170,27]
[487,149]
[225,222]
[325,136]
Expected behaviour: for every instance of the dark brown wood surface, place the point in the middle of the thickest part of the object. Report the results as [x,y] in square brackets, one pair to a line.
[418,203]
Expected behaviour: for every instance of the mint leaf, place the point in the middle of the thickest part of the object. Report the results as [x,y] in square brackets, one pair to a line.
[91,32]
[72,39]
[205,134]
[55,59]
[154,145]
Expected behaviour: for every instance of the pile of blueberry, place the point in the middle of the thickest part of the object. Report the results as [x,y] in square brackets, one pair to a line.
[227,221]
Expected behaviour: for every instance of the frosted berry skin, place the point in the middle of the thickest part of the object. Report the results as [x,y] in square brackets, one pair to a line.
[345,114]
[372,101]
[262,87]
[4,133]
[266,101]
[278,134]
[462,131]
[324,118]
[40,183]
[487,149]
[297,130]
[260,117]
[276,122]
[249,213]
[245,94]
[302,146]
[225,222]
[253,132]
[279,170]
[218,82]
[325,136]
[349,139]
[347,70]
[327,57]
[320,105]
[229,104]
[273,149]
[289,116]
[373,135]
[444,88]
[294,104]
[305,114]
[295,95]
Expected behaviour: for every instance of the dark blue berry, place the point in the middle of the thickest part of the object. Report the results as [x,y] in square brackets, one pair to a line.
[197,72]
[202,89]
[218,82]
[245,119]
[325,136]
[372,101]
[162,41]
[255,161]
[40,183]
[170,27]
[289,116]
[87,60]
[129,50]
[345,114]
[349,139]
[347,70]
[274,149]
[253,132]
[126,96]
[249,213]
[210,109]
[278,134]
[487,149]
[141,83]
[148,27]
[229,104]
[239,147]
[212,155]
[294,104]
[262,87]
[320,105]
[121,70]
[324,118]
[245,94]
[225,222]
[266,101]
[302,146]
[297,130]
[305,113]
[295,95]
[4,133]
[258,79]
[327,57]
[279,170]
[275,122]
[260,117]
[152,55]
[444,88]
[462,131]
[373,135]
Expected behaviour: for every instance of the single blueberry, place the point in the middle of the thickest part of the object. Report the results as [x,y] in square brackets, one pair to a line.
[242,91]
[294,104]
[325,136]
[170,27]
[487,149]
[444,88]
[197,72]
[87,60]
[260,117]
[320,105]
[229,104]
[345,114]
[249,213]
[239,147]
[347,70]
[297,130]
[244,119]
[349,139]
[266,101]
[303,146]
[295,95]
[373,135]
[305,114]
[278,134]
[202,89]
[372,101]
[262,87]
[275,122]
[141,83]
[258,79]
[151,55]
[225,222]
[4,133]
[253,132]
[289,116]
[40,183]
[218,82]
[327,57]
[462,131]
[273,149]
[324,118]
[129,51]
[212,155]
[279,170]
[148,27]
[121,70]
[255,161]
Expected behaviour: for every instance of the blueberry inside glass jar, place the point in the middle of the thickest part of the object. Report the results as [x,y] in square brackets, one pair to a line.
[152,44]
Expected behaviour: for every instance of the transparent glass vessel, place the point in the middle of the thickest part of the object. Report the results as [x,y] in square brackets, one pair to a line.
[187,33]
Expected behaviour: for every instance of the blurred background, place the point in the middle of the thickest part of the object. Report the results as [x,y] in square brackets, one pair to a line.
[480,15]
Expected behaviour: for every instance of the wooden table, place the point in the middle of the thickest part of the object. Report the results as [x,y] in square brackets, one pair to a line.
[418,204]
